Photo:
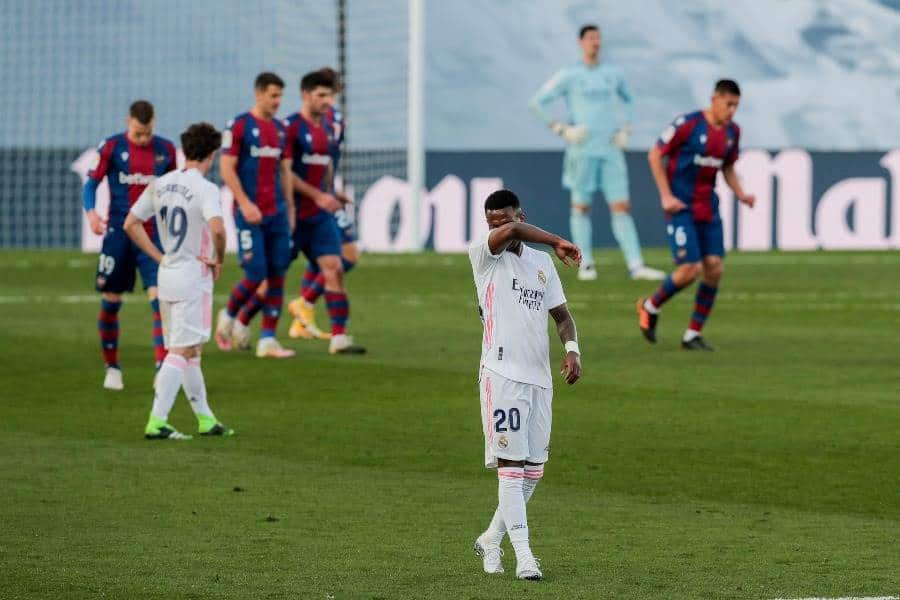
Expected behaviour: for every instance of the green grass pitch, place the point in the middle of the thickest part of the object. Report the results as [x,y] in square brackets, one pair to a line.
[769,468]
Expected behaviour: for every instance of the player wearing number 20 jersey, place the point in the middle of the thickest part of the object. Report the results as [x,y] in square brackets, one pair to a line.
[189,216]
[518,288]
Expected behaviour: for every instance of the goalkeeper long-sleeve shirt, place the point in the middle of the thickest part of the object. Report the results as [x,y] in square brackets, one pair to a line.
[596,97]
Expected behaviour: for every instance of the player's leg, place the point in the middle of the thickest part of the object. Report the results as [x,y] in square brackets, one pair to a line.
[713,250]
[614,183]
[252,257]
[540,421]
[169,378]
[278,258]
[686,254]
[312,285]
[580,178]
[149,271]
[192,321]
[115,275]
[326,248]
[506,411]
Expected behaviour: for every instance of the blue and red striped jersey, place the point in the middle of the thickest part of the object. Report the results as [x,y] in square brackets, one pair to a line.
[335,118]
[129,168]
[260,146]
[311,144]
[696,152]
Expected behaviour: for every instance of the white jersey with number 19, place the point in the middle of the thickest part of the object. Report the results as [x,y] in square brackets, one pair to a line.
[183,202]
[515,294]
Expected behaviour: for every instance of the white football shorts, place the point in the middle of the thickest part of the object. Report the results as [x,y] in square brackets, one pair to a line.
[186,322]
[516,419]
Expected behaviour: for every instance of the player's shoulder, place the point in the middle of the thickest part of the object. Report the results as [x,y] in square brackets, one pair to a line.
[111,141]
[166,143]
[735,128]
[238,120]
[689,117]
[292,120]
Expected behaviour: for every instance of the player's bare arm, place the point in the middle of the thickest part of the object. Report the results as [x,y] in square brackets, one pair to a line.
[134,227]
[734,183]
[287,186]
[669,202]
[228,171]
[565,327]
[324,201]
[217,231]
[502,236]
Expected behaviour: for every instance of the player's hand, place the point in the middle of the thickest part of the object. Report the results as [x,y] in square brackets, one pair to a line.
[214,265]
[328,202]
[97,223]
[251,213]
[344,199]
[671,204]
[572,134]
[567,252]
[621,137]
[571,367]
[748,199]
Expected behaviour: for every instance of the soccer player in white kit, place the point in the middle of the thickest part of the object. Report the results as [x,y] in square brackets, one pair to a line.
[192,232]
[517,287]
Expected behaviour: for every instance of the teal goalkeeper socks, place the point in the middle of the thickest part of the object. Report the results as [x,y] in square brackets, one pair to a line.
[626,235]
[580,225]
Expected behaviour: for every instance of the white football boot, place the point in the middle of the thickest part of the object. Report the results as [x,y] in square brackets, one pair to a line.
[113,379]
[224,325]
[240,335]
[488,548]
[647,274]
[268,347]
[587,272]
[529,568]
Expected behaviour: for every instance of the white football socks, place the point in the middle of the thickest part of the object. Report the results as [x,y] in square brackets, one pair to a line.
[532,475]
[168,382]
[690,334]
[195,388]
[512,507]
[650,307]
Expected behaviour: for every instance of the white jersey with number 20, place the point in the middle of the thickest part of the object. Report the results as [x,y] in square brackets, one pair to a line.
[183,202]
[515,294]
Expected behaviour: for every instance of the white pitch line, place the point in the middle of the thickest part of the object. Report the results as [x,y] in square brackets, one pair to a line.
[846,598]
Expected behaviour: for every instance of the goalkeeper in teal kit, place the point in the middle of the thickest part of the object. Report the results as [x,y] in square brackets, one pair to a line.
[594,159]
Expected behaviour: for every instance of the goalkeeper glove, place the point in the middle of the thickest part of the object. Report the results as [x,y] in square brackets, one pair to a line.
[572,134]
[620,138]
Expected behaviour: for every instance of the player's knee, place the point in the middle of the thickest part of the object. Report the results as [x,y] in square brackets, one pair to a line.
[581,209]
[713,271]
[255,272]
[350,252]
[111,297]
[620,207]
[152,293]
[690,272]
[502,462]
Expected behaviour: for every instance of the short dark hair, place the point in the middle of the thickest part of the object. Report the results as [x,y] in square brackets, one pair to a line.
[585,28]
[200,140]
[334,76]
[727,86]
[315,79]
[142,111]
[501,199]
[267,78]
